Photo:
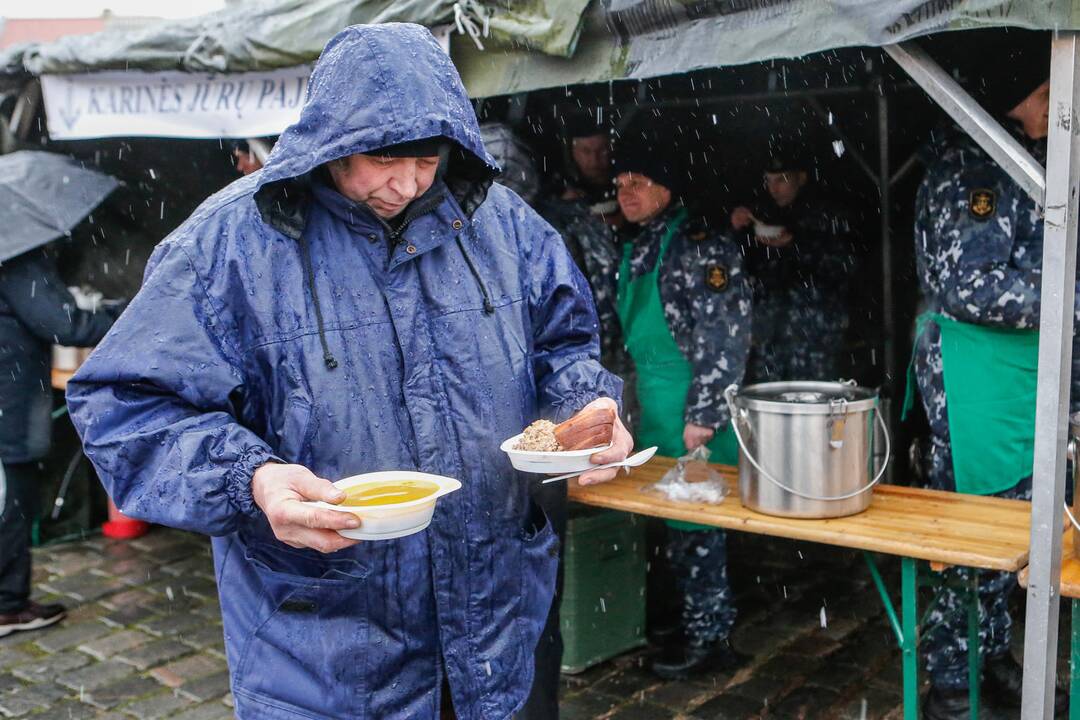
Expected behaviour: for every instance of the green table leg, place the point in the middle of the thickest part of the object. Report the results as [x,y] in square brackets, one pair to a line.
[973,644]
[1074,664]
[879,582]
[909,588]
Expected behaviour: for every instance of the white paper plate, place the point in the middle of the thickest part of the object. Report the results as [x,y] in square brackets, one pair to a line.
[386,522]
[551,463]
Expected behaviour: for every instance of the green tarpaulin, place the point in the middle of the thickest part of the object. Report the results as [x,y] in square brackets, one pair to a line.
[283,33]
[647,38]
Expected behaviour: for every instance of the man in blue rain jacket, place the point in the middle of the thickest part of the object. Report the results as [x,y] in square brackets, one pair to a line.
[368,301]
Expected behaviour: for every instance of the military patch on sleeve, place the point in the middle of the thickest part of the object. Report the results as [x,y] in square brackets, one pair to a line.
[716,278]
[982,203]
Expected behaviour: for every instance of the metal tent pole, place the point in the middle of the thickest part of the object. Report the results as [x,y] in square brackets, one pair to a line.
[850,147]
[22,117]
[893,376]
[1055,358]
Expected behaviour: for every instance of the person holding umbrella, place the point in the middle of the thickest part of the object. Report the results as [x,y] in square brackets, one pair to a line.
[36,310]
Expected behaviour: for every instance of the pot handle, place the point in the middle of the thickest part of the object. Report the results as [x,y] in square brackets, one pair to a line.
[729,395]
[1070,455]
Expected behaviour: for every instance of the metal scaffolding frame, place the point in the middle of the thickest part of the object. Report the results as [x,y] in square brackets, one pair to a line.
[1056,189]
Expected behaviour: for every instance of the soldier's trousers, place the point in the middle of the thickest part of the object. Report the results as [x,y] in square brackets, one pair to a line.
[18,500]
[698,560]
[945,643]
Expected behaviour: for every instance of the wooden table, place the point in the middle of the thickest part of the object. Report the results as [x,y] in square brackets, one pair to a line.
[1070,588]
[941,528]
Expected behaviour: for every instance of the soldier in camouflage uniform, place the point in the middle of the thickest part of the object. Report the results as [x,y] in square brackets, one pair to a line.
[684,303]
[801,274]
[978,241]
[582,207]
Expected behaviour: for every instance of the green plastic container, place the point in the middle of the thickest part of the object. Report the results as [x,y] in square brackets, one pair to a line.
[603,604]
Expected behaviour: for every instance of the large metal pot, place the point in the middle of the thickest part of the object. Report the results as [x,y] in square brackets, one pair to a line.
[806,449]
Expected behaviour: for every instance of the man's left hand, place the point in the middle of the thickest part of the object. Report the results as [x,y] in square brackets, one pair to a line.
[694,436]
[621,445]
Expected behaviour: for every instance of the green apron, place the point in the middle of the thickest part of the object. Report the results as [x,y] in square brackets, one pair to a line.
[663,373]
[990,380]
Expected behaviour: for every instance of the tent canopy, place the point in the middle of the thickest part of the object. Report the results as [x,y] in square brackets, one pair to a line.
[270,34]
[535,44]
[639,39]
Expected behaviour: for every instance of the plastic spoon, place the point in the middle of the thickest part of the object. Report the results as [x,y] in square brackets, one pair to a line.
[633,461]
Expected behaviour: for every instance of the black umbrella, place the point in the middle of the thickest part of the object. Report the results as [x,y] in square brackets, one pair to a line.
[43,196]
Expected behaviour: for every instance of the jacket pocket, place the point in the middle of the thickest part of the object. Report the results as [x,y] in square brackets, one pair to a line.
[539,565]
[306,653]
[298,431]
[512,568]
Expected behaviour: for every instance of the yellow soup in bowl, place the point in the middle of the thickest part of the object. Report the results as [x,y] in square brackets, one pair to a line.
[388,492]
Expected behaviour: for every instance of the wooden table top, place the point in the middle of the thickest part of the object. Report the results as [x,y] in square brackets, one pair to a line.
[1070,566]
[940,527]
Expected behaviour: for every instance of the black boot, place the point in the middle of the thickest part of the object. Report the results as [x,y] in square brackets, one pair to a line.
[1003,685]
[945,704]
[682,660]
[663,635]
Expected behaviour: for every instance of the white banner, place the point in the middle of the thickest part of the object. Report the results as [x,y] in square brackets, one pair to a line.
[173,104]
[177,104]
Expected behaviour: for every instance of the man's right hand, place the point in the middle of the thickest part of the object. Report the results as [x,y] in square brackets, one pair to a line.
[741,217]
[280,491]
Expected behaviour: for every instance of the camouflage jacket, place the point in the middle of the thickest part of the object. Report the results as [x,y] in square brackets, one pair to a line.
[815,270]
[978,243]
[707,304]
[801,304]
[978,240]
[592,245]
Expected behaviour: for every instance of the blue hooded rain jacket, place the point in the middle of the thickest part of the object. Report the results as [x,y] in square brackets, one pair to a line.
[282,321]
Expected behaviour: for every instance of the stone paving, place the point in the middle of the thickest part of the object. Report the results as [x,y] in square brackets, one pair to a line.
[143,640]
[848,668]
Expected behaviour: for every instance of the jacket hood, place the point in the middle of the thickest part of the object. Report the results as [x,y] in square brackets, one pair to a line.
[380,85]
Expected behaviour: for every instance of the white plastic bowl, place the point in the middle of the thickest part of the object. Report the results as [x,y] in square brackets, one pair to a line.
[386,522]
[767,232]
[551,463]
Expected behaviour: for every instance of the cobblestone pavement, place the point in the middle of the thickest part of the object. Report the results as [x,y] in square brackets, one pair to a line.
[143,640]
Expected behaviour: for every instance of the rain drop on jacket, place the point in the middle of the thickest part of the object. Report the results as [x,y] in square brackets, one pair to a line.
[431,348]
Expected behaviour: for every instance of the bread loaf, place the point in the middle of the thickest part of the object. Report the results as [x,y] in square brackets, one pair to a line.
[588,429]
